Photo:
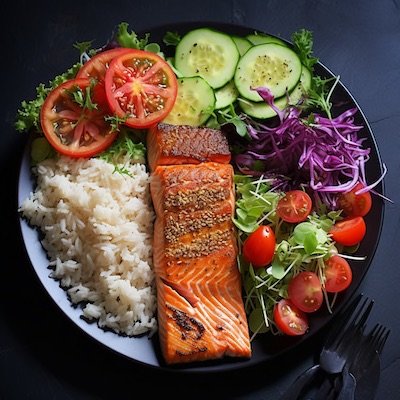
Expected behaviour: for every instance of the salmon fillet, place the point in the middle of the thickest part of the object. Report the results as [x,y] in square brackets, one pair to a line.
[182,144]
[200,308]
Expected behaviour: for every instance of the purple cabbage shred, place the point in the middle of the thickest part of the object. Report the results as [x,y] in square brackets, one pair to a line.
[325,156]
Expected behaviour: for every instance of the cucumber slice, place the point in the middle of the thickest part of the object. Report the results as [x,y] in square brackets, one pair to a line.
[261,38]
[194,103]
[302,87]
[264,111]
[207,53]
[226,95]
[242,44]
[270,65]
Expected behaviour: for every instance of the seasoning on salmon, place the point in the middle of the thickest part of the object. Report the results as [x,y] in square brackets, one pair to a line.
[200,308]
[183,144]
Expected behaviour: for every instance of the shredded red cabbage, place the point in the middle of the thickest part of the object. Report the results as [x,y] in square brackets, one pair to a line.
[321,154]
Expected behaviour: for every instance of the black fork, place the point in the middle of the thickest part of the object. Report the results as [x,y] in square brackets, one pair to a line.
[339,343]
[368,353]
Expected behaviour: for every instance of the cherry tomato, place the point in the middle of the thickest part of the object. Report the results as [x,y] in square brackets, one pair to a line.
[141,87]
[294,207]
[349,231]
[289,319]
[355,205]
[96,68]
[305,291]
[71,129]
[259,247]
[338,274]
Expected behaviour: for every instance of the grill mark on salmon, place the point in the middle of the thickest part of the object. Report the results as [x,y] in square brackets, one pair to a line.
[181,144]
[200,307]
[180,223]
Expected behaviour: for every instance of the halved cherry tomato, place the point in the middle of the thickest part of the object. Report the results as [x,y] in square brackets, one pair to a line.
[259,247]
[338,274]
[71,129]
[294,207]
[349,231]
[305,291]
[141,87]
[355,205]
[96,68]
[289,319]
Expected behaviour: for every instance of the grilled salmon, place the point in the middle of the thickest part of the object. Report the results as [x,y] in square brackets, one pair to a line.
[182,144]
[200,307]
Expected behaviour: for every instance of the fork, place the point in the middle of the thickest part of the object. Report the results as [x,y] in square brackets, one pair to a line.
[334,353]
[355,336]
[368,351]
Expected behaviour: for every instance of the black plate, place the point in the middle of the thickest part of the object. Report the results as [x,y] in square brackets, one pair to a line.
[265,347]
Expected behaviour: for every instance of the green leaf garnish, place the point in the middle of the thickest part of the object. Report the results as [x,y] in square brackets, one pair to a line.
[303,45]
[130,39]
[171,38]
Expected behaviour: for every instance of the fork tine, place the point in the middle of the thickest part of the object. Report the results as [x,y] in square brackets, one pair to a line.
[341,321]
[357,323]
[383,341]
[379,335]
[365,314]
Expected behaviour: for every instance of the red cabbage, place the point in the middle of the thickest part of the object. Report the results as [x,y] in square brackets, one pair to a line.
[325,156]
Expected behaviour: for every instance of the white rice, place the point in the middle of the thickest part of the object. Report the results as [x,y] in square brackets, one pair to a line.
[97,228]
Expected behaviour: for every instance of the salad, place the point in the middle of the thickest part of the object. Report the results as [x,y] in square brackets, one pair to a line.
[302,192]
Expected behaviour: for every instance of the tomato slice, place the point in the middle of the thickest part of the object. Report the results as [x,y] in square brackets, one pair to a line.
[259,247]
[98,64]
[305,291]
[355,205]
[349,231]
[289,319]
[74,130]
[141,87]
[338,274]
[295,206]
[96,68]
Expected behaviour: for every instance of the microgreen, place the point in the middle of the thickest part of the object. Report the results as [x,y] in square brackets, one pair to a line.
[84,98]
[123,152]
[299,247]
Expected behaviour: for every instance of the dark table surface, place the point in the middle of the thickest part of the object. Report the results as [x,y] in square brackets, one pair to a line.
[43,355]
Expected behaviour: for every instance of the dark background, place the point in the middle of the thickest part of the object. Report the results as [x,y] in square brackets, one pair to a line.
[42,354]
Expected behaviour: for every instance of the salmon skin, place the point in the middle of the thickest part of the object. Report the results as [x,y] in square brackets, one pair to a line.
[199,296]
[182,144]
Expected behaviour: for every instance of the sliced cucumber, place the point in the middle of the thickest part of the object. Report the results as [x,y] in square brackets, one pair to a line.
[261,38]
[264,111]
[207,53]
[226,95]
[242,44]
[194,103]
[270,65]
[302,87]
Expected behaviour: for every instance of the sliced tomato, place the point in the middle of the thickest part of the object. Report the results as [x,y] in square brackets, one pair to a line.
[295,206]
[259,247]
[353,204]
[140,87]
[349,231]
[98,64]
[96,68]
[71,129]
[289,319]
[305,291]
[338,274]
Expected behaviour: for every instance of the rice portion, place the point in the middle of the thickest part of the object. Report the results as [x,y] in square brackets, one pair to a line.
[97,231]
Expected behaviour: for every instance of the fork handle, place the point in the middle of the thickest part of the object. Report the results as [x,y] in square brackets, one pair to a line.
[348,387]
[301,383]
